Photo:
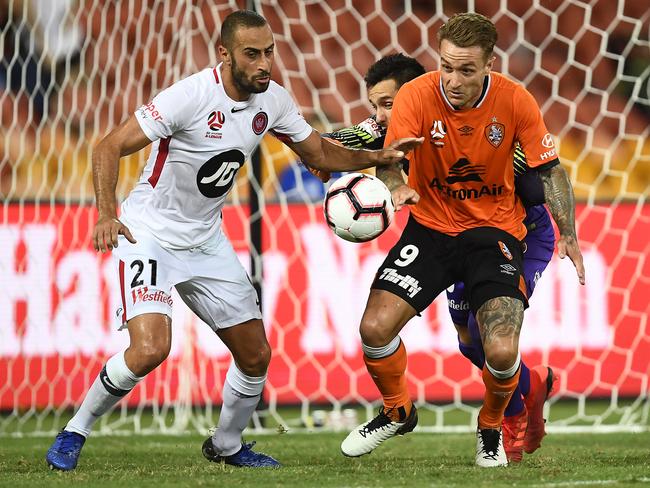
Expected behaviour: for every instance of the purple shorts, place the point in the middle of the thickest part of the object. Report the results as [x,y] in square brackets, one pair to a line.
[540,243]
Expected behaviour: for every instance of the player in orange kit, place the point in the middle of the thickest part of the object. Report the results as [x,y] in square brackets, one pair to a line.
[466,225]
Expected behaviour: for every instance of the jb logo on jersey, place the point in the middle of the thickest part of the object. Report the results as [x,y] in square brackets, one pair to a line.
[438,132]
[216,176]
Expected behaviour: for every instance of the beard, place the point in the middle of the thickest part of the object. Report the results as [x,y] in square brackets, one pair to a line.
[245,85]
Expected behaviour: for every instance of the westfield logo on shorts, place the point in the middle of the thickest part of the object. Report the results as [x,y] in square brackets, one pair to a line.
[454,305]
[142,295]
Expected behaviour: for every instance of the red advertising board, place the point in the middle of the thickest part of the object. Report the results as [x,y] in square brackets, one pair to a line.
[59,297]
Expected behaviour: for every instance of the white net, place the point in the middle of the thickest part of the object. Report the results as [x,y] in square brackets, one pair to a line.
[71,70]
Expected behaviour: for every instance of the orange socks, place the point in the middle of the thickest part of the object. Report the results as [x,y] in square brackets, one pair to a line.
[497,395]
[388,373]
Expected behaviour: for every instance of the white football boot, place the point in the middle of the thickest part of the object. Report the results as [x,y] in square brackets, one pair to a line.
[489,448]
[366,437]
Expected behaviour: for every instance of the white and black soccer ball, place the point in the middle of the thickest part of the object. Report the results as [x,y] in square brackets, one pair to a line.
[358,207]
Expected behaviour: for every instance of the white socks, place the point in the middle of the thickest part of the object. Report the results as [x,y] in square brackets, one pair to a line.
[381,352]
[241,394]
[508,373]
[114,381]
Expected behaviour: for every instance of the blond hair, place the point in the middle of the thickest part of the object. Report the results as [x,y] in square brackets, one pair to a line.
[470,29]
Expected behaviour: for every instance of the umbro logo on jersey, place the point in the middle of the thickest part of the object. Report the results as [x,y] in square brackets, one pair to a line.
[216,119]
[466,130]
[464,170]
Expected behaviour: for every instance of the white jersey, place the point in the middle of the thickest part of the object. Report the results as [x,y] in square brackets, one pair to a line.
[202,137]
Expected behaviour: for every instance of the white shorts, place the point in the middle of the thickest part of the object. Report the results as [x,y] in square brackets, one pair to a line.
[210,280]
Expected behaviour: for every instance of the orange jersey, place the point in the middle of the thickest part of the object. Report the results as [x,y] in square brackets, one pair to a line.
[464,170]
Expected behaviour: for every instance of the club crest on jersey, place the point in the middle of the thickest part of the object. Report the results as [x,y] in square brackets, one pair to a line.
[505,251]
[438,132]
[494,133]
[216,119]
[260,121]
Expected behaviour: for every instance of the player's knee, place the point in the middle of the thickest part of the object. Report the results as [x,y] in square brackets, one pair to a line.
[376,330]
[148,357]
[501,355]
[257,363]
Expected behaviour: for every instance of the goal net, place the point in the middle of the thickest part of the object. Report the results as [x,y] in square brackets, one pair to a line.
[71,70]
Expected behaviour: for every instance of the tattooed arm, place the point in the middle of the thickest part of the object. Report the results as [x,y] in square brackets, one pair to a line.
[561,202]
[392,177]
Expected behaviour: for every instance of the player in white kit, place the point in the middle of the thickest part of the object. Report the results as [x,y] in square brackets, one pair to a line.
[169,232]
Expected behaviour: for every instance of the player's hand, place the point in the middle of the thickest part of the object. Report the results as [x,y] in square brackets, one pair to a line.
[106,231]
[568,246]
[404,195]
[397,150]
[322,174]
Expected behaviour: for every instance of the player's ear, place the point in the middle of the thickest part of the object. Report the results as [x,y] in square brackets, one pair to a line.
[224,54]
[490,63]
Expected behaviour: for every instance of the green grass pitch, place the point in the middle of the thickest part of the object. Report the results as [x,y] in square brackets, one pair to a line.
[314,460]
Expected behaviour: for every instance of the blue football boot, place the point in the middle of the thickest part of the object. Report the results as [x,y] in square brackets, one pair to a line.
[64,452]
[244,458]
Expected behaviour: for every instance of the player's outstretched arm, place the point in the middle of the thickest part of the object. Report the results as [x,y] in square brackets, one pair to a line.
[367,134]
[391,176]
[327,156]
[125,139]
[561,202]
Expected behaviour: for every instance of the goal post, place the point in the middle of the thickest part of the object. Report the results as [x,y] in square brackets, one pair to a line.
[71,72]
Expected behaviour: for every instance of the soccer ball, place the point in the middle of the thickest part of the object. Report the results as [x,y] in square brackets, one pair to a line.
[358,207]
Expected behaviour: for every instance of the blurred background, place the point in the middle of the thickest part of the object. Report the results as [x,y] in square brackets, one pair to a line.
[70,70]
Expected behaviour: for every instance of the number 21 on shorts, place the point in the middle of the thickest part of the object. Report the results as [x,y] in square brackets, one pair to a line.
[140,273]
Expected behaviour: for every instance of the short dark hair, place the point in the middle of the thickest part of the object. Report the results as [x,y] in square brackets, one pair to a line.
[236,20]
[396,67]
[470,29]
